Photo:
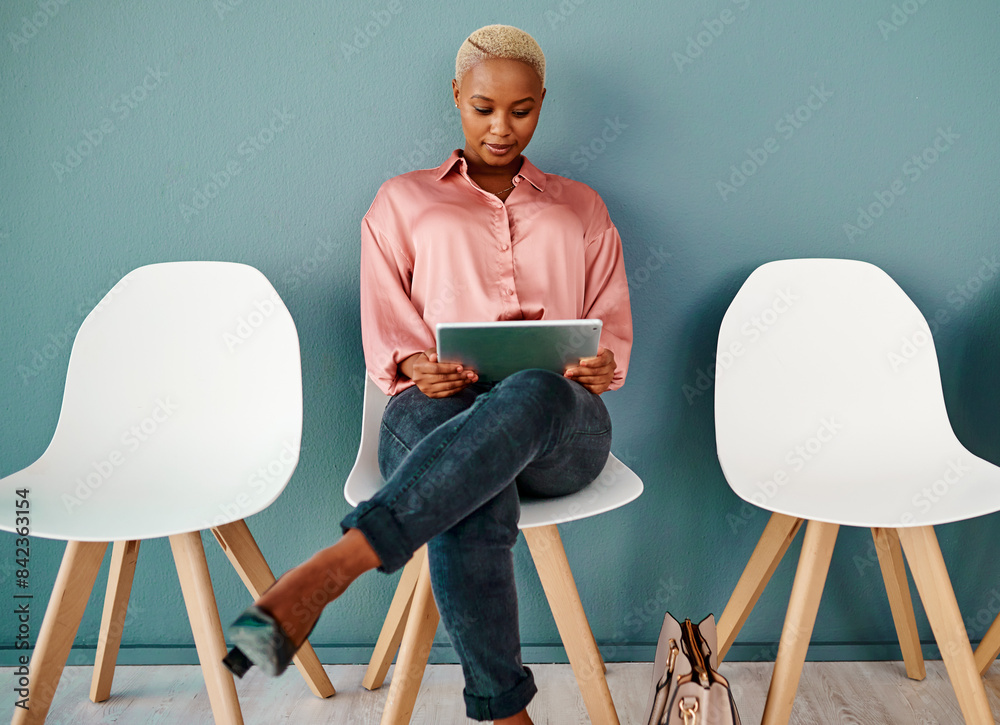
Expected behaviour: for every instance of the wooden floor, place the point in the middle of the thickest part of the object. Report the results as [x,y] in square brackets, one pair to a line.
[863,693]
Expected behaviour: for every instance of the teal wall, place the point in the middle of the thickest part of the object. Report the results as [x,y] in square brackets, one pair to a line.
[654,108]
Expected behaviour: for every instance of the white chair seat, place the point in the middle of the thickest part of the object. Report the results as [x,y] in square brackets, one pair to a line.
[616,486]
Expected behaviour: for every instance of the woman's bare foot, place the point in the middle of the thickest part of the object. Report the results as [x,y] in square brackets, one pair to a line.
[298,597]
[520,719]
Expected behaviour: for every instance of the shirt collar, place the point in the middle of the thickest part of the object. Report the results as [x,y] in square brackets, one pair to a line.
[534,175]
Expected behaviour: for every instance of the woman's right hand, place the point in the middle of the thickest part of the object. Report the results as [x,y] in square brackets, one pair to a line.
[436,379]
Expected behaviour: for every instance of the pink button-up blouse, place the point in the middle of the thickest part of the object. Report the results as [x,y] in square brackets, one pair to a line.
[437,248]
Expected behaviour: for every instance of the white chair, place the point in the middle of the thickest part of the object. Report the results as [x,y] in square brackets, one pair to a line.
[182,411]
[413,608]
[829,408]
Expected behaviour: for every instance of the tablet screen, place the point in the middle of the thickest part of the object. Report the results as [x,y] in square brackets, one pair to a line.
[497,349]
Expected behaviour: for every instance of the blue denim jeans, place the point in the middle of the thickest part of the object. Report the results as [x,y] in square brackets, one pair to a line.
[454,468]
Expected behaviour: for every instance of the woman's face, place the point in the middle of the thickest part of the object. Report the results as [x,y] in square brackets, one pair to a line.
[499,101]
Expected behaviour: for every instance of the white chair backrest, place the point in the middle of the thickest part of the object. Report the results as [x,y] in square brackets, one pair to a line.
[182,408]
[365,479]
[828,399]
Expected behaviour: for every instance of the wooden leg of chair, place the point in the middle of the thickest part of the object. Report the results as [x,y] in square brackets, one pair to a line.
[245,556]
[934,586]
[414,650]
[810,576]
[774,542]
[989,648]
[593,639]
[395,622]
[897,587]
[74,582]
[547,551]
[120,574]
[203,613]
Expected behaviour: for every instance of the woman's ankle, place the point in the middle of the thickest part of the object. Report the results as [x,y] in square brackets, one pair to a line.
[520,718]
[360,555]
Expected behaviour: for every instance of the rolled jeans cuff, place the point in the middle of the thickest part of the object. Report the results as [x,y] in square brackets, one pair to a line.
[383,532]
[506,704]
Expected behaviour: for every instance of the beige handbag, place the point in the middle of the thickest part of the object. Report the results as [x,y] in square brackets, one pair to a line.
[686,688]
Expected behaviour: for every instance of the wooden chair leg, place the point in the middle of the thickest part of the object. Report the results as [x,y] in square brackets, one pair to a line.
[120,575]
[807,590]
[74,582]
[774,542]
[203,613]
[414,651]
[549,556]
[395,622]
[245,556]
[934,586]
[897,588]
[593,639]
[989,648]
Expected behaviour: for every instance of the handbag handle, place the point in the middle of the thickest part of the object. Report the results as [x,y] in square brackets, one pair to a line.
[699,667]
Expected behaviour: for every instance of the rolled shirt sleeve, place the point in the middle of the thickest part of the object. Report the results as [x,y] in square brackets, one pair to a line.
[391,328]
[606,298]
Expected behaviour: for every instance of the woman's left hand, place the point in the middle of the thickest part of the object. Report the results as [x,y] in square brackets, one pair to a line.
[594,373]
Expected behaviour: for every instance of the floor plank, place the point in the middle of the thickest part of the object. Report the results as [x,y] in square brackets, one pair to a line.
[854,693]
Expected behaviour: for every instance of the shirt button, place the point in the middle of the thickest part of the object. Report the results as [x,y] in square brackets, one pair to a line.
[504,248]
[510,291]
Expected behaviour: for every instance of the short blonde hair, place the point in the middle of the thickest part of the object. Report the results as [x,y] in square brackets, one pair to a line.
[499,41]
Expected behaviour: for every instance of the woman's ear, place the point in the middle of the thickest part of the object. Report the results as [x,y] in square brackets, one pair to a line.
[454,90]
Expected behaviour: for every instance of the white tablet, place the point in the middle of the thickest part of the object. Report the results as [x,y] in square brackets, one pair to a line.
[497,349]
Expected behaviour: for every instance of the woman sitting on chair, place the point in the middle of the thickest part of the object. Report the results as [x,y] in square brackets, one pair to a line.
[484,236]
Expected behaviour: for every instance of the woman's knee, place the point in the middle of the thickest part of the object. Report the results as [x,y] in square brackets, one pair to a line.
[551,391]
